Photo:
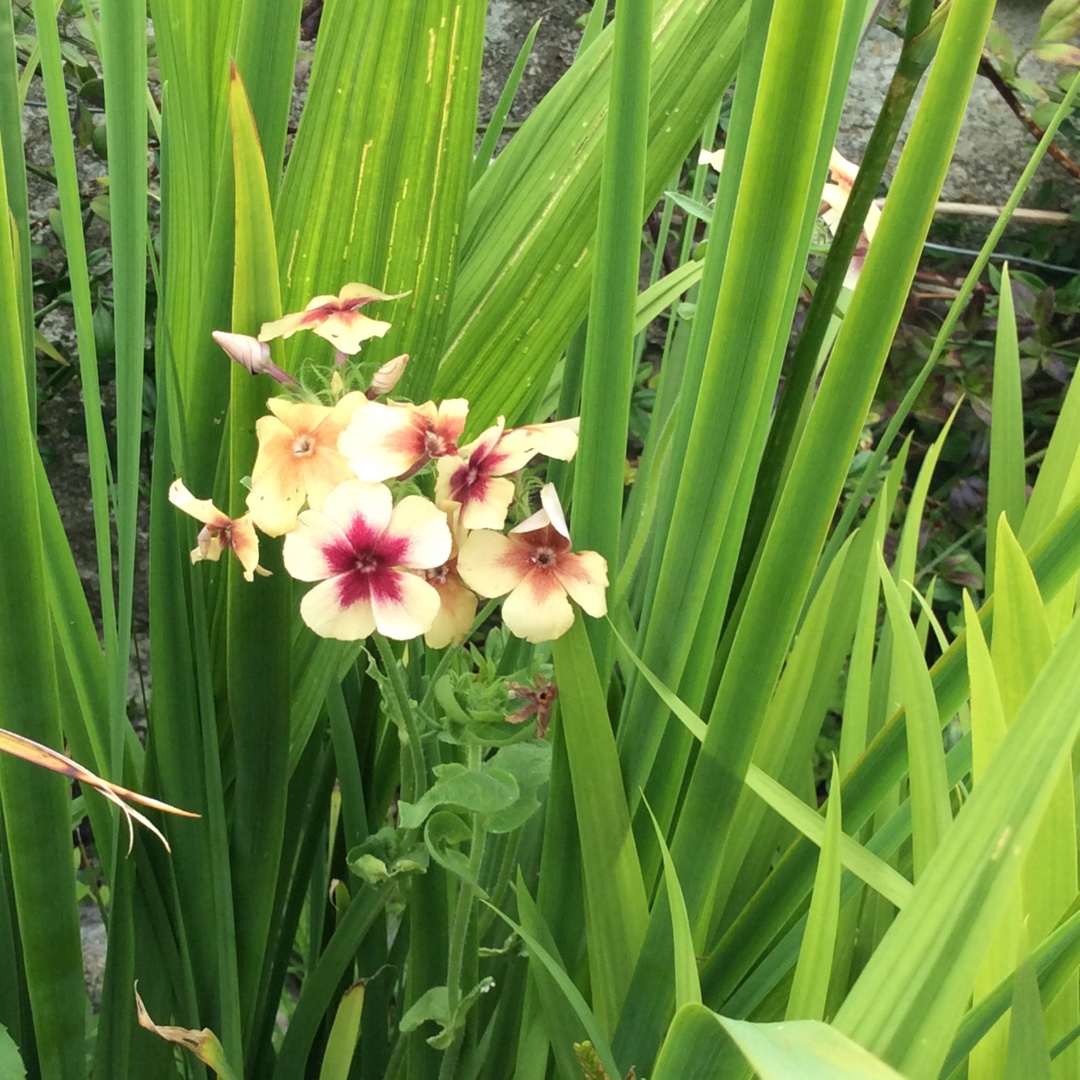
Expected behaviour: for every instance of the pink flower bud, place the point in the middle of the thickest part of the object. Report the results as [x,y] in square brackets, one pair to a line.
[252,354]
[386,378]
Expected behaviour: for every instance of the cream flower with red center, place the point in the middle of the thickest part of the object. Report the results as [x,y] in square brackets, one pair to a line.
[396,439]
[220,532]
[298,459]
[476,476]
[336,318]
[834,198]
[457,604]
[360,548]
[535,565]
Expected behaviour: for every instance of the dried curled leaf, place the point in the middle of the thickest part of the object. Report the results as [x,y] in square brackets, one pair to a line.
[203,1044]
[34,752]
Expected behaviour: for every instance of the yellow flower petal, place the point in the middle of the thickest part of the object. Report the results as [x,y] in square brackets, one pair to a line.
[537,610]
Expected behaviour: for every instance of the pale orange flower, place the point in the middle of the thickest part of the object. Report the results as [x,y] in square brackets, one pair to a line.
[535,565]
[298,459]
[336,318]
[220,532]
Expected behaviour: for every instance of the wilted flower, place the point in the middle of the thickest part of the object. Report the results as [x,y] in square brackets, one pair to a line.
[395,439]
[457,604]
[539,701]
[298,459]
[535,565]
[336,318]
[475,477]
[360,547]
[252,354]
[220,532]
[386,378]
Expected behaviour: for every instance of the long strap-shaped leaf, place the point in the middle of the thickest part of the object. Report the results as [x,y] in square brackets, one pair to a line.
[259,613]
[35,806]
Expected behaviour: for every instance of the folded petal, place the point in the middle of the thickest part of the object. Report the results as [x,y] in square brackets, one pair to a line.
[407,611]
[424,526]
[355,293]
[324,612]
[200,509]
[245,545]
[584,577]
[537,610]
[457,611]
[386,378]
[492,564]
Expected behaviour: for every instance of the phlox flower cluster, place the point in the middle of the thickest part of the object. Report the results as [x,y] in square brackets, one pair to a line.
[325,476]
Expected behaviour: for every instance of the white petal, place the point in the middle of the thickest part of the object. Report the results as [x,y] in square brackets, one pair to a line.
[347,330]
[584,577]
[539,520]
[490,563]
[411,613]
[558,439]
[537,610]
[355,498]
[549,500]
[424,524]
[305,549]
[321,609]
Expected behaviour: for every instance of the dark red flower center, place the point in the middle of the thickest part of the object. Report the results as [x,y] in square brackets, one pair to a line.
[364,563]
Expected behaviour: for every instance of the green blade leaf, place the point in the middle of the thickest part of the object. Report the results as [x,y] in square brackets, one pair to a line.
[1006,492]
[811,985]
[687,984]
[1029,1053]
[931,814]
[377,194]
[616,907]
[259,678]
[344,1035]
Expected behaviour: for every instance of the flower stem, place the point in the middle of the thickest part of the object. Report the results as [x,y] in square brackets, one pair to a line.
[460,929]
[412,782]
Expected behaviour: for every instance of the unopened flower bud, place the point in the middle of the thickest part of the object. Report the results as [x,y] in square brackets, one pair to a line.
[386,378]
[252,354]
